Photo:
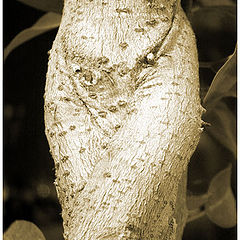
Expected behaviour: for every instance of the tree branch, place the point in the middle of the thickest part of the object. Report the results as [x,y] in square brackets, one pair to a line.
[123,117]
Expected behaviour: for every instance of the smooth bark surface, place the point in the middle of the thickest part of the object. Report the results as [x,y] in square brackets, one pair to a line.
[123,117]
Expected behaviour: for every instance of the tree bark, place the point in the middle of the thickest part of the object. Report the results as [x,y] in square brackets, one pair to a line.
[123,117]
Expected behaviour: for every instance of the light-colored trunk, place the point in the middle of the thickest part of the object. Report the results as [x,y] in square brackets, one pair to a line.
[123,117]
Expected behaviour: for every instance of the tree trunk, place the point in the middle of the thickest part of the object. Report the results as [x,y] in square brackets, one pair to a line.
[123,117]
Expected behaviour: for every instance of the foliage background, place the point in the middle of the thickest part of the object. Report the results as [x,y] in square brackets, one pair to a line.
[29,192]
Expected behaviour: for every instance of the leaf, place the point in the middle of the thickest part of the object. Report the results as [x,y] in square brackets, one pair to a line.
[214,65]
[187,6]
[224,83]
[208,159]
[218,203]
[46,23]
[223,126]
[215,29]
[45,5]
[221,205]
[24,230]
[216,2]
[196,201]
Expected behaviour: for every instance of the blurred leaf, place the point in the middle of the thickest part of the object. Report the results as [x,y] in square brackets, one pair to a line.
[224,83]
[214,65]
[218,203]
[46,23]
[208,159]
[187,6]
[215,29]
[221,205]
[219,185]
[23,230]
[45,5]
[216,2]
[223,126]
[196,201]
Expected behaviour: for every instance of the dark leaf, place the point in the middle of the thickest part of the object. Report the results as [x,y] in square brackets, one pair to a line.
[187,6]
[214,65]
[218,203]
[208,159]
[223,84]
[196,201]
[216,2]
[223,126]
[46,23]
[45,5]
[221,205]
[215,29]
[23,230]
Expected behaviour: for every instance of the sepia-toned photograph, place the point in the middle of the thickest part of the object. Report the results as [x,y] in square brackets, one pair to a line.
[119,120]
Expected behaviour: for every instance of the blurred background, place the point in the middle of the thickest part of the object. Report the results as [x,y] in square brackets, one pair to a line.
[29,192]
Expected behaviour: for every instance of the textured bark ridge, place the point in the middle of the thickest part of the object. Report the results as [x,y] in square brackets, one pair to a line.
[123,117]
